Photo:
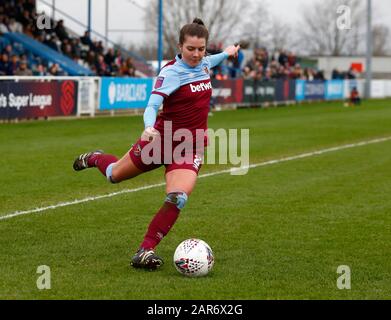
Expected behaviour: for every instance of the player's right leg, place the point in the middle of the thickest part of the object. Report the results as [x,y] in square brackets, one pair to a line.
[179,185]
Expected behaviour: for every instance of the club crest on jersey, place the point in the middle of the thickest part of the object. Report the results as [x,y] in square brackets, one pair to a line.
[206,70]
[159,82]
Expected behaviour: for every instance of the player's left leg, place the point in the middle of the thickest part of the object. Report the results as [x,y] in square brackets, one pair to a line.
[179,185]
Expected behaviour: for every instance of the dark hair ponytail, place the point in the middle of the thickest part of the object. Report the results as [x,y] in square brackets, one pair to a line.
[199,21]
[196,28]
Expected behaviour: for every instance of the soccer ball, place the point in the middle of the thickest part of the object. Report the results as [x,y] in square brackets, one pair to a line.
[193,258]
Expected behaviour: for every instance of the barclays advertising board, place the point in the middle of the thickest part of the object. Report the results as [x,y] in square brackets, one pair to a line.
[300,86]
[334,89]
[125,93]
[314,90]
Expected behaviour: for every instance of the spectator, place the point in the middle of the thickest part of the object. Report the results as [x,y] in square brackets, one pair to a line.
[52,42]
[23,70]
[220,75]
[60,30]
[278,65]
[101,66]
[118,58]
[86,40]
[39,70]
[282,58]
[21,16]
[335,74]
[4,24]
[127,68]
[54,70]
[76,48]
[68,51]
[213,49]
[354,98]
[8,50]
[25,18]
[14,64]
[292,61]
[258,71]
[247,73]
[319,75]
[91,58]
[5,65]
[309,74]
[15,26]
[109,57]
[268,74]
[350,74]
[29,30]
[99,49]
[29,5]
[297,72]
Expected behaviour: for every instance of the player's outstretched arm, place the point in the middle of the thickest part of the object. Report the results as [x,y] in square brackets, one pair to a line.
[216,59]
[232,51]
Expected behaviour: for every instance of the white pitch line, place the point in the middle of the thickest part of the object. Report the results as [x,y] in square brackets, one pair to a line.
[261,164]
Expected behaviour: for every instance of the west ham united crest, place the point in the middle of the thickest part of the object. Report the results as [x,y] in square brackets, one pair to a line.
[206,70]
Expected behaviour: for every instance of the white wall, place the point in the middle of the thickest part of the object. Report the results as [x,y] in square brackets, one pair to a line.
[380,65]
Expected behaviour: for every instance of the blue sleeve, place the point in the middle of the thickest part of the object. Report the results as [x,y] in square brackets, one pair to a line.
[166,83]
[216,59]
[152,109]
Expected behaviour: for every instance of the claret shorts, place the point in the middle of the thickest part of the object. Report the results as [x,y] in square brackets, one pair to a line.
[151,155]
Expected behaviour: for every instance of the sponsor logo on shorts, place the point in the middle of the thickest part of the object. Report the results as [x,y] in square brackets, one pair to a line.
[197,162]
[136,150]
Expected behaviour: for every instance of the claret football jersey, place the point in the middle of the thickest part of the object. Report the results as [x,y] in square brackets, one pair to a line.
[187,92]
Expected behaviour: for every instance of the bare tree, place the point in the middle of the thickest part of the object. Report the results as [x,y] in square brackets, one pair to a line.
[145,50]
[224,19]
[256,26]
[320,33]
[281,37]
[380,38]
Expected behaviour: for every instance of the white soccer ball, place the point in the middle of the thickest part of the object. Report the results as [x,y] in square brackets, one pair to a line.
[193,258]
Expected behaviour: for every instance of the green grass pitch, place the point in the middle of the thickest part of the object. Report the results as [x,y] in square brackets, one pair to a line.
[278,232]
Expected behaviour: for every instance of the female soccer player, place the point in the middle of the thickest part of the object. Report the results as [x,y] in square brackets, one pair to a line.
[184,88]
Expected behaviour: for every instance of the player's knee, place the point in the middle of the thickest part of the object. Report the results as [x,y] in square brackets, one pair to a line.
[111,174]
[178,198]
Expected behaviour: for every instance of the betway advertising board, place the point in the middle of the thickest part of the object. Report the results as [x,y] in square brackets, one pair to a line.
[227,91]
[125,93]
